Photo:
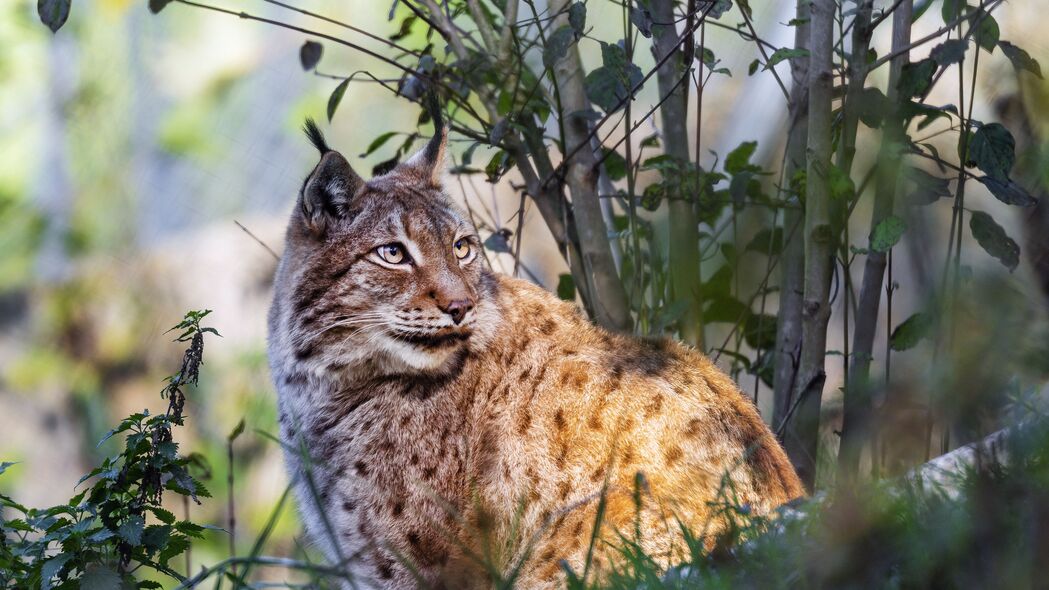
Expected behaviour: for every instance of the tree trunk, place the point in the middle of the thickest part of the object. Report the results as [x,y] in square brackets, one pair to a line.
[608,297]
[857,405]
[803,430]
[792,258]
[684,226]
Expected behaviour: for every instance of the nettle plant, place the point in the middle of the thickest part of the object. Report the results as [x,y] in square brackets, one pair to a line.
[736,239]
[117,524]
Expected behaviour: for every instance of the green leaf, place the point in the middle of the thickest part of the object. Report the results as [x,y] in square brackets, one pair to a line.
[766,241]
[5,465]
[566,287]
[54,13]
[916,78]
[927,188]
[993,150]
[759,331]
[785,53]
[557,45]
[987,31]
[1009,192]
[738,160]
[577,18]
[237,431]
[724,309]
[378,142]
[952,9]
[615,164]
[336,97]
[887,233]
[753,67]
[841,185]
[610,85]
[993,239]
[949,52]
[642,19]
[100,578]
[721,7]
[872,106]
[499,241]
[910,332]
[51,567]
[155,6]
[310,54]
[1020,59]
[162,515]
[131,530]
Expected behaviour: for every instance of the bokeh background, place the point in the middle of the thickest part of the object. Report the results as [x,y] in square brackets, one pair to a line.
[141,156]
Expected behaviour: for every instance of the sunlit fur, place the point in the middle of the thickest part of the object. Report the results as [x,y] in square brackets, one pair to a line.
[433,444]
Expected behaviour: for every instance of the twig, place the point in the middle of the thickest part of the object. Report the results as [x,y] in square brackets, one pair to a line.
[261,243]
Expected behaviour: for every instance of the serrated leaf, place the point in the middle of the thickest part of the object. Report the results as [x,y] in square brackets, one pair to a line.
[131,530]
[53,13]
[557,45]
[1009,192]
[785,53]
[887,233]
[908,334]
[1020,59]
[993,150]
[566,287]
[162,515]
[310,54]
[51,567]
[993,239]
[949,52]
[100,578]
[336,98]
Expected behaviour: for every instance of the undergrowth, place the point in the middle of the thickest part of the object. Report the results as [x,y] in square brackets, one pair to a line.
[989,527]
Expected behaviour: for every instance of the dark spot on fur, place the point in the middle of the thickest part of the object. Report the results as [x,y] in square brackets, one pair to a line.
[695,426]
[654,406]
[673,455]
[396,508]
[349,505]
[548,327]
[361,467]
[405,420]
[559,419]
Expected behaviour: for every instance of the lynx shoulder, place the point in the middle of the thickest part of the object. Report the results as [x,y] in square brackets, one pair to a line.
[435,411]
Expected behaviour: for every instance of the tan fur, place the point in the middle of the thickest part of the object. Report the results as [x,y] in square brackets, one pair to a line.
[500,444]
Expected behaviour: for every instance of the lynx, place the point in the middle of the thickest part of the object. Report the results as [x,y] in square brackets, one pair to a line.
[443,422]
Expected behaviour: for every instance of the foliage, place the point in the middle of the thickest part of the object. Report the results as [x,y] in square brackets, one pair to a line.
[118,524]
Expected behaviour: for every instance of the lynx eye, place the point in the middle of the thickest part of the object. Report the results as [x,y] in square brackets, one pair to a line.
[392,253]
[462,248]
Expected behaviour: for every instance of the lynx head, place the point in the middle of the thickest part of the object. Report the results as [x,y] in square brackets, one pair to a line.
[385,274]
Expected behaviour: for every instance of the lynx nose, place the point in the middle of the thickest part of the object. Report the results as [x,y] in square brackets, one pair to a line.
[457,308]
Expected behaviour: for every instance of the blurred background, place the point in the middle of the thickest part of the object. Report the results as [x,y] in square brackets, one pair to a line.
[141,156]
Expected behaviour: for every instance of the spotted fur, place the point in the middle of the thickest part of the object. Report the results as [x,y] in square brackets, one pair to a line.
[432,441]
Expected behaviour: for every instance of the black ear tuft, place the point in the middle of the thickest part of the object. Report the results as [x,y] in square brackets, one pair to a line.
[315,136]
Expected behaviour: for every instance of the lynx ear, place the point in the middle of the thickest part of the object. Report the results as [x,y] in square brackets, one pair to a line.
[428,163]
[328,190]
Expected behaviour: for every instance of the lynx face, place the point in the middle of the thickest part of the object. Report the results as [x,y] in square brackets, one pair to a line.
[388,272]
